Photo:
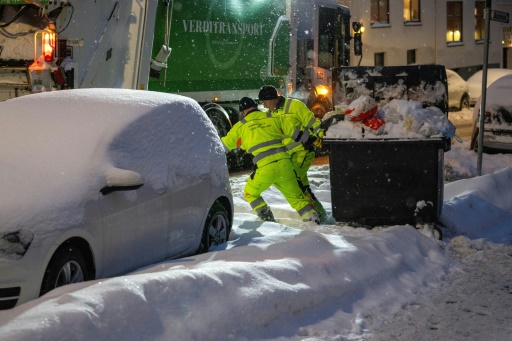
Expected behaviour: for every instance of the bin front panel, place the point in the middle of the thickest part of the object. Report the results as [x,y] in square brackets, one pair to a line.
[381,182]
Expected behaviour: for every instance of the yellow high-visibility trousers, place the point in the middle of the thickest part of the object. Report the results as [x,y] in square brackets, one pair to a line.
[282,175]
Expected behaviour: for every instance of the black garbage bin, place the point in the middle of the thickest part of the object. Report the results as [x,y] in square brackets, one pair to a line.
[386,181]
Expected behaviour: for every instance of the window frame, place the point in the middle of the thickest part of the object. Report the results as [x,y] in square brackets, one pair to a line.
[379,13]
[452,19]
[479,20]
[412,56]
[413,19]
[379,56]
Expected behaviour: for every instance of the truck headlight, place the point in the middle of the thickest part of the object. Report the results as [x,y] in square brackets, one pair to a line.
[322,90]
[15,244]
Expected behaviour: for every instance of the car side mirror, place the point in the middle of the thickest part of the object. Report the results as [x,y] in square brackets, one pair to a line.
[122,180]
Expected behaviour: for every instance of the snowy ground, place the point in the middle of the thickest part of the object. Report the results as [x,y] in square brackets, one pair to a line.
[474,302]
[299,281]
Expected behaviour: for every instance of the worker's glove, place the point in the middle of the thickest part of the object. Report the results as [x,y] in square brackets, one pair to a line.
[313,142]
[308,145]
[318,142]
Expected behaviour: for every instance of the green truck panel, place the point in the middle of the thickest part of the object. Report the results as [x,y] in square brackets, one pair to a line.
[219,47]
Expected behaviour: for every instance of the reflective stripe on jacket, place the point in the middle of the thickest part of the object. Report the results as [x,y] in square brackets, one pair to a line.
[260,134]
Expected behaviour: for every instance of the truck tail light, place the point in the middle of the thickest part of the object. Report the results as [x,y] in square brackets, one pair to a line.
[44,43]
[48,46]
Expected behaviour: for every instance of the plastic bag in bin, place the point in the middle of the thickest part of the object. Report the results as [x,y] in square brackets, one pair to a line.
[429,121]
[374,123]
[361,108]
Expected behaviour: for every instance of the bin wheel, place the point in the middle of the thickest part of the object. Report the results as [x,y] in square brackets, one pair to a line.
[433,228]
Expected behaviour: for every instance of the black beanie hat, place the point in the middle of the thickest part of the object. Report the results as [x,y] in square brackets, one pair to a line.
[246,103]
[267,92]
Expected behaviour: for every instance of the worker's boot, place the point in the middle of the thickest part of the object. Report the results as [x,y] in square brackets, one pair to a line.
[322,213]
[314,217]
[311,216]
[265,214]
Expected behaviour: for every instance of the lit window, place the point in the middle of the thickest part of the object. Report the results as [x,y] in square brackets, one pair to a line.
[454,21]
[479,20]
[412,10]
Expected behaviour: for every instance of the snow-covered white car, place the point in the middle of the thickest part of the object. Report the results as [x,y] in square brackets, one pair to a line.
[475,81]
[100,182]
[498,117]
[458,92]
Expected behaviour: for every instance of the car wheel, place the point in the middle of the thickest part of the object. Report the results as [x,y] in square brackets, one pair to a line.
[216,229]
[67,266]
[234,115]
[464,102]
[219,118]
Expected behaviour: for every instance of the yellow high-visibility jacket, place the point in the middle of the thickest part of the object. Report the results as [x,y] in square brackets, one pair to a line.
[298,123]
[260,134]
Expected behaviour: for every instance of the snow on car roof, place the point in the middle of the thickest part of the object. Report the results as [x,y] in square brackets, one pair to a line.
[499,103]
[57,147]
[475,81]
[455,82]
[499,92]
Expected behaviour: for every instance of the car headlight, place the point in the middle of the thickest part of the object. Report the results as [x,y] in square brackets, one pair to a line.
[15,244]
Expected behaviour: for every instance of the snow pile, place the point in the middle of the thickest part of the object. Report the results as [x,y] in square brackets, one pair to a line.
[294,281]
[469,195]
[396,119]
[266,282]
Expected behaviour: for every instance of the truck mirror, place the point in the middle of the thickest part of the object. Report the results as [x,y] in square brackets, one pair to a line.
[278,54]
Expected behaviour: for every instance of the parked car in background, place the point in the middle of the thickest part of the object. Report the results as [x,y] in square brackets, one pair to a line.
[100,182]
[498,117]
[458,92]
[475,81]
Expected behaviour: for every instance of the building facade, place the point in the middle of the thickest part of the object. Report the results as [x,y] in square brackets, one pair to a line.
[446,32]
